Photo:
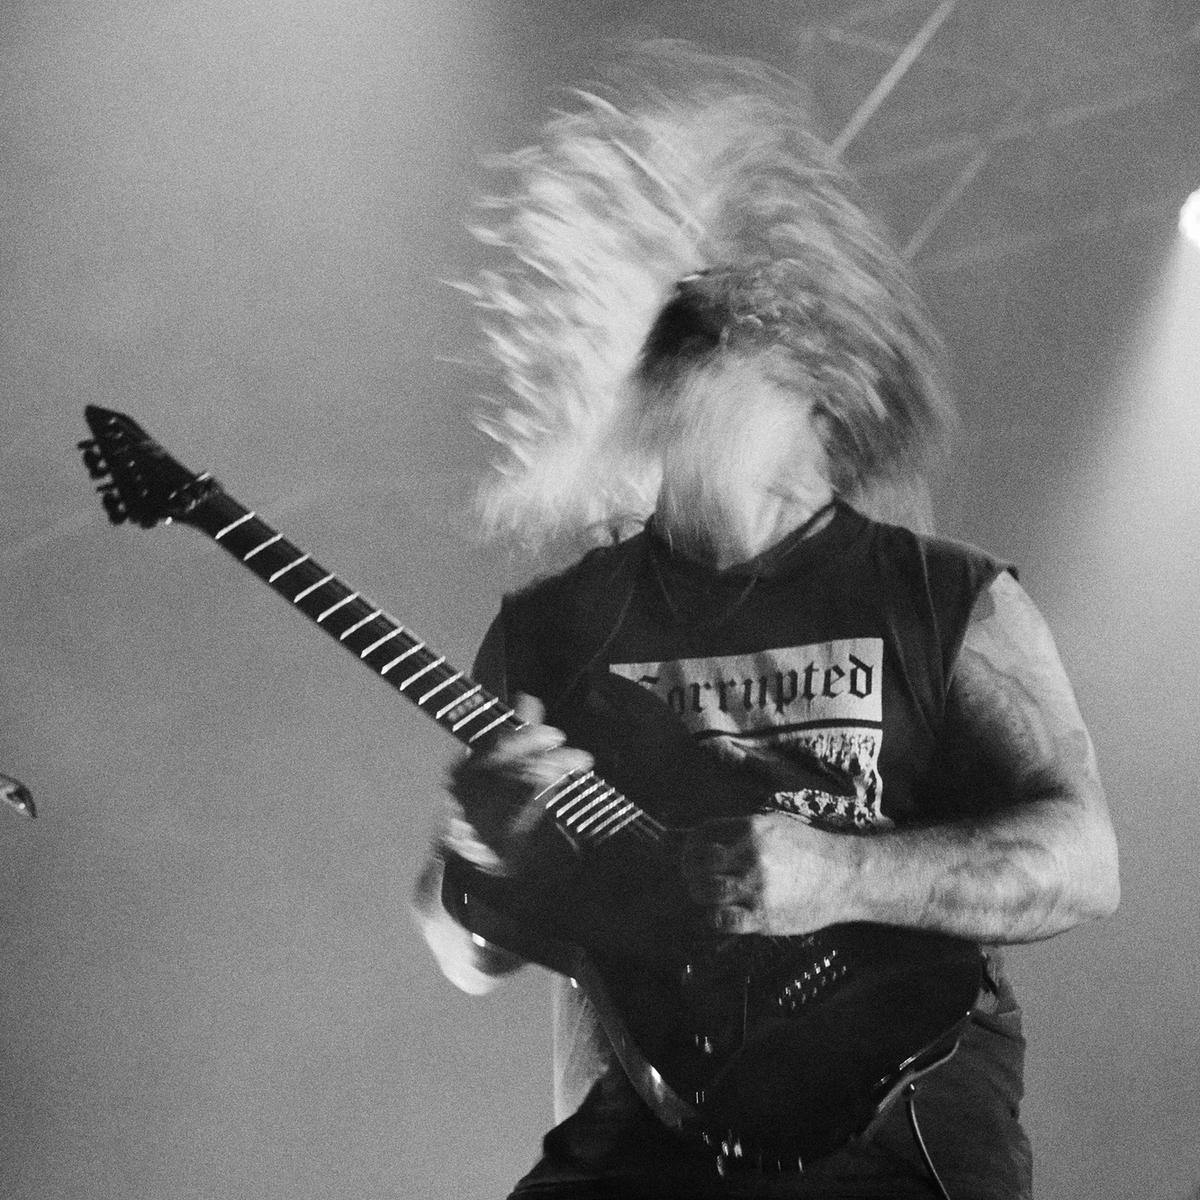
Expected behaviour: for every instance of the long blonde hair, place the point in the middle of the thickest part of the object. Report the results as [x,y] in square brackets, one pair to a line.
[686,162]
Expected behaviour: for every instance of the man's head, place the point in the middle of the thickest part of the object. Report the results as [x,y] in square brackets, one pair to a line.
[731,434]
[852,387]
[688,216]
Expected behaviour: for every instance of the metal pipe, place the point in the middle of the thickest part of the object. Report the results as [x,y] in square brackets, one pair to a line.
[909,55]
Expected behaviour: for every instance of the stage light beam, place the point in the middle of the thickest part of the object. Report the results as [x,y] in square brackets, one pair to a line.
[1189,219]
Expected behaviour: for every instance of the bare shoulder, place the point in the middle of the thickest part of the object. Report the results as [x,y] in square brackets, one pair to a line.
[1009,687]
[1006,628]
[1011,702]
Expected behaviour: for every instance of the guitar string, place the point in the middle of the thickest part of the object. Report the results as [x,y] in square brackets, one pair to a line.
[613,811]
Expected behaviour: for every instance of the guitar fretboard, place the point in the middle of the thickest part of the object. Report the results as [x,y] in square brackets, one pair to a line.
[585,807]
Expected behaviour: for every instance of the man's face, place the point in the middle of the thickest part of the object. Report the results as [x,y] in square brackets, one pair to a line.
[730,439]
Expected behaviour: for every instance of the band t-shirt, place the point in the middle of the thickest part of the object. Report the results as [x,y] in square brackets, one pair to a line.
[819,671]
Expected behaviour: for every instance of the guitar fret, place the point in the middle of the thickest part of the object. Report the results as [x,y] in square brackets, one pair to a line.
[284,570]
[444,684]
[582,805]
[475,712]
[334,607]
[473,691]
[578,824]
[437,662]
[387,637]
[401,657]
[262,546]
[359,624]
[584,786]
[562,810]
[312,587]
[613,801]
[647,826]
[487,728]
[646,833]
[233,525]
[628,817]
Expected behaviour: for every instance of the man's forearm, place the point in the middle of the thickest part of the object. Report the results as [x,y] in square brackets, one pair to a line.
[1030,873]
[1046,861]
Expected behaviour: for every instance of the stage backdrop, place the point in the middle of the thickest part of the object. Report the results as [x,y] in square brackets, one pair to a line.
[235,220]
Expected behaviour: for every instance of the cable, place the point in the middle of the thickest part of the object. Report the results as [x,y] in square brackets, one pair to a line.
[910,1092]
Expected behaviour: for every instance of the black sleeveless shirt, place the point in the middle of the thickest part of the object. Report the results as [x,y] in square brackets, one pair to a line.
[820,670]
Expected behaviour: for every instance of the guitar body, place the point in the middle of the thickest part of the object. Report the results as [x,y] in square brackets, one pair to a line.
[785,1048]
[780,1049]
[775,1051]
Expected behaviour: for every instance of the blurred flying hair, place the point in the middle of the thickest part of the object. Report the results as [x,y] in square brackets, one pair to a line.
[683,209]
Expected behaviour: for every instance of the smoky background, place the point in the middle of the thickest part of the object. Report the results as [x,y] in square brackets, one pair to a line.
[235,221]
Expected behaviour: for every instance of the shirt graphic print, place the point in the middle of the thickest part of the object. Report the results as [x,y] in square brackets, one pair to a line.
[805,721]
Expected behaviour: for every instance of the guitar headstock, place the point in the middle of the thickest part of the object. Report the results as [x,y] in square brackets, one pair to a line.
[141,482]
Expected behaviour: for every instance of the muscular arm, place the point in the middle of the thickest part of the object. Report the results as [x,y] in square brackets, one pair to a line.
[1044,862]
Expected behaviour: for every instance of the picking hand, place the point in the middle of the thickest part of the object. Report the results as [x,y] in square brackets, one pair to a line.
[771,873]
[503,788]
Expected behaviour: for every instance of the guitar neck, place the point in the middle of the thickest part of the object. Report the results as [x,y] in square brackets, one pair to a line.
[585,807]
[394,653]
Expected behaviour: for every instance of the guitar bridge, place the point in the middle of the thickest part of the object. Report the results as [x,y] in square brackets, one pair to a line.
[735,1158]
[817,978]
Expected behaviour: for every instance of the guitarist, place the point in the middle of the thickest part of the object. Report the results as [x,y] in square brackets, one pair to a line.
[894,699]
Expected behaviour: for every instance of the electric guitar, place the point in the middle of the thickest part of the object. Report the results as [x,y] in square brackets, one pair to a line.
[774,1051]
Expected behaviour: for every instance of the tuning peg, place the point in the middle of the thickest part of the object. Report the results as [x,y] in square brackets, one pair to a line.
[93,460]
[16,796]
[113,506]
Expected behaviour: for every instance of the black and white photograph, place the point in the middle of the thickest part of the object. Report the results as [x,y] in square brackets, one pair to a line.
[598,600]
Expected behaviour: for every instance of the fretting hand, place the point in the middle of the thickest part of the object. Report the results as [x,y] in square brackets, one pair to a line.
[502,789]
